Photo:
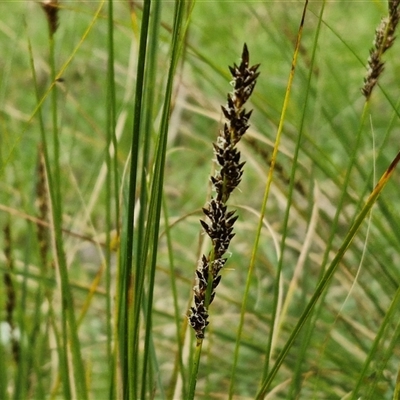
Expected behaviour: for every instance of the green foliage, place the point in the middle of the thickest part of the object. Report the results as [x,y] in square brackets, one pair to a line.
[120,107]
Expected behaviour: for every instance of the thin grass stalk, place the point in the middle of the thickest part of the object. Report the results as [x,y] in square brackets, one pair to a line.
[146,129]
[62,352]
[57,336]
[156,193]
[41,389]
[384,37]
[35,358]
[3,373]
[277,282]
[278,319]
[111,194]
[55,197]
[24,380]
[298,368]
[390,317]
[155,376]
[396,394]
[260,224]
[128,324]
[305,341]
[61,70]
[146,134]
[194,371]
[114,140]
[384,359]
[325,280]
[335,221]
[178,366]
[46,160]
[139,264]
[190,358]
[68,315]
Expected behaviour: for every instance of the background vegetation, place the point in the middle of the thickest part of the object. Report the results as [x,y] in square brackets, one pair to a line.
[331,154]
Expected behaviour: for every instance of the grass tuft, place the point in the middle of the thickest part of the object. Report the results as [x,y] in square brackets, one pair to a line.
[107,114]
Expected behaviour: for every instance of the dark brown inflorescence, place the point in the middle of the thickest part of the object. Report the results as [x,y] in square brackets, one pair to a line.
[10,291]
[43,208]
[220,221]
[50,7]
[384,38]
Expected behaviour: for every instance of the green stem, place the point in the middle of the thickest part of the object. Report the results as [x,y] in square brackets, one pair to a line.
[156,193]
[390,317]
[60,350]
[323,283]
[57,215]
[128,324]
[112,172]
[69,326]
[195,369]
[177,312]
[396,394]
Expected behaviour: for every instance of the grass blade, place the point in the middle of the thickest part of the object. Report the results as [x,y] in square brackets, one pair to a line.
[329,274]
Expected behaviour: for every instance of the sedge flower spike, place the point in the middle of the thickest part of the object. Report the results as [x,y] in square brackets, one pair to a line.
[384,39]
[220,221]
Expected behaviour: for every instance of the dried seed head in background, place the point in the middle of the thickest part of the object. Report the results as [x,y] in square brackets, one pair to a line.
[221,221]
[50,7]
[384,38]
[10,293]
[43,207]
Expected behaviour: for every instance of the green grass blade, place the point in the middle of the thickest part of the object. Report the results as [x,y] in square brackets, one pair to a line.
[112,182]
[396,394]
[391,317]
[70,329]
[156,193]
[322,285]
[128,323]
[61,351]
[303,351]
[178,367]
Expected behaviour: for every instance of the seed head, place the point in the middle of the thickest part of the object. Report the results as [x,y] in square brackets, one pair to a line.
[384,39]
[220,221]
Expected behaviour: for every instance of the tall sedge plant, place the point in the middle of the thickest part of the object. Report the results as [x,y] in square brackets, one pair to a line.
[130,363]
[221,221]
